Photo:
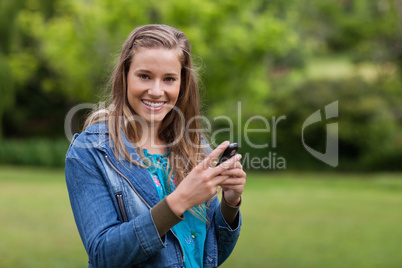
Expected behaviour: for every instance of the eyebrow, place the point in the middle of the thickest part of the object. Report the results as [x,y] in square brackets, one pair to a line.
[149,72]
[143,71]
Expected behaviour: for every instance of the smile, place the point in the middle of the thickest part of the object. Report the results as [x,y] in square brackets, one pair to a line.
[152,104]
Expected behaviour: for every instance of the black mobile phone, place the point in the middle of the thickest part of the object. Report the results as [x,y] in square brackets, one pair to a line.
[228,153]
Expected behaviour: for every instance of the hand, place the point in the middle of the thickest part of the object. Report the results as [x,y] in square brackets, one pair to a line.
[202,182]
[234,185]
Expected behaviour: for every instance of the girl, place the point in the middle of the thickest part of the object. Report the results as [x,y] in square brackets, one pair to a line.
[141,178]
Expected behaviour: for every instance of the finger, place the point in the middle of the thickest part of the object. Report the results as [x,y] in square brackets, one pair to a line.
[233,182]
[206,163]
[238,165]
[226,165]
[235,188]
[218,180]
[235,172]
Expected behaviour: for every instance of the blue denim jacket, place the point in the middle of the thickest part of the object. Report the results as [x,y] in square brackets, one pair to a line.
[111,202]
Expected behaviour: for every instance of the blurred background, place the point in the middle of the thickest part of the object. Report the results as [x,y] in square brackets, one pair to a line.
[264,58]
[279,58]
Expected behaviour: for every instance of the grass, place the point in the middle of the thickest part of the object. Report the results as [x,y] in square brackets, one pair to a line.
[320,220]
[37,225]
[290,220]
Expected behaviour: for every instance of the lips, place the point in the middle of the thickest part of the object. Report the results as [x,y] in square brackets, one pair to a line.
[154,105]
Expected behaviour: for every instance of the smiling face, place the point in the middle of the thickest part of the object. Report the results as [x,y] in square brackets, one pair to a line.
[153,83]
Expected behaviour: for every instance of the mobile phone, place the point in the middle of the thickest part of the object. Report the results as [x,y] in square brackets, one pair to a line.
[228,153]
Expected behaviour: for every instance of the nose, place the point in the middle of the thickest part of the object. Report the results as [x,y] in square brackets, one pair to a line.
[156,89]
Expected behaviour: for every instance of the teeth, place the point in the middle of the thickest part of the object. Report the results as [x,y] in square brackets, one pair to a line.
[153,104]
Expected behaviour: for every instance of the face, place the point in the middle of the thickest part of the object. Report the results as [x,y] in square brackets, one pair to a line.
[153,83]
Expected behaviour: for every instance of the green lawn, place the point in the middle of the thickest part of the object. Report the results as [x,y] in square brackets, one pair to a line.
[321,220]
[290,220]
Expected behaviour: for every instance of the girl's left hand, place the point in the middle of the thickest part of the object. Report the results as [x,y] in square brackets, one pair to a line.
[233,186]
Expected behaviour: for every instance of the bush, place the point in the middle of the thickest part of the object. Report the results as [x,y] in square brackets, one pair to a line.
[33,152]
[369,130]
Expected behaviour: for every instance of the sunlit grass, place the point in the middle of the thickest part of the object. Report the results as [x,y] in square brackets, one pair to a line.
[290,220]
[37,226]
[320,220]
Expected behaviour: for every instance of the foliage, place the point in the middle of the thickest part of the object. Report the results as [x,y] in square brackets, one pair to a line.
[65,48]
[367,29]
[369,130]
[56,54]
[33,152]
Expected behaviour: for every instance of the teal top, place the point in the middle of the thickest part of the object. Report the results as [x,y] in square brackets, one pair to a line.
[192,231]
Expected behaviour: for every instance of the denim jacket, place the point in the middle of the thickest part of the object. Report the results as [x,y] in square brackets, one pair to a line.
[111,202]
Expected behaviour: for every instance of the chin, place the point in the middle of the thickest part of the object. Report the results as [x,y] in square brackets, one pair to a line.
[154,120]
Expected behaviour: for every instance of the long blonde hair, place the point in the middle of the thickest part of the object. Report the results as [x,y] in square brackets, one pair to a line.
[119,113]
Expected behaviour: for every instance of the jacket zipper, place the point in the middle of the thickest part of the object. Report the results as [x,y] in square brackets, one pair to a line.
[128,181]
[119,197]
[143,200]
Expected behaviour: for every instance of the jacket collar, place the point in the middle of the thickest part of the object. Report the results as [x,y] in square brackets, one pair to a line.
[138,176]
[99,128]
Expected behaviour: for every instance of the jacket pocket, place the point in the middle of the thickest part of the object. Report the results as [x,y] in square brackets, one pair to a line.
[119,197]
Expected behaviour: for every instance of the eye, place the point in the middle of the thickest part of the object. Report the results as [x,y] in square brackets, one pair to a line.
[143,76]
[170,79]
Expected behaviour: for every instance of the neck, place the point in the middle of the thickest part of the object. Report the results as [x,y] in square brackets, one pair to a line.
[149,139]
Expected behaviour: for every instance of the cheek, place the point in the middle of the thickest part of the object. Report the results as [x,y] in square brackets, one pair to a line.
[174,94]
[133,96]
[132,90]
[178,90]
[130,97]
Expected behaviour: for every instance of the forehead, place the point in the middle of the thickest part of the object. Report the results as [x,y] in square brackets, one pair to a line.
[156,57]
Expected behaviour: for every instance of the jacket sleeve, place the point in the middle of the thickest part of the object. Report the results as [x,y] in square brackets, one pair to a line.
[226,235]
[108,242]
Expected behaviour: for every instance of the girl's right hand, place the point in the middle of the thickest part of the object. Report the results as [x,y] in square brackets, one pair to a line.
[201,183]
